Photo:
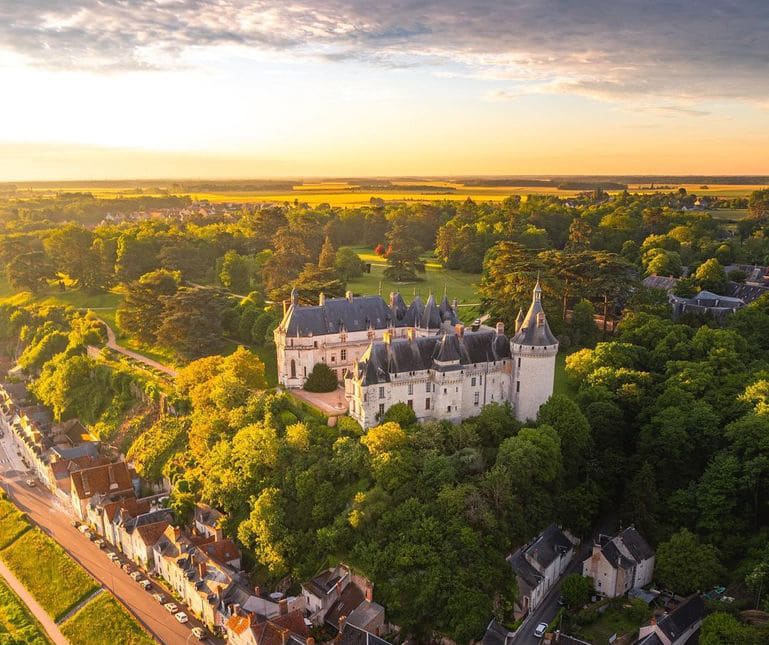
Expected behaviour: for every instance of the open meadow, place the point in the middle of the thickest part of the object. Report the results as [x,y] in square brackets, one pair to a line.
[104,620]
[17,624]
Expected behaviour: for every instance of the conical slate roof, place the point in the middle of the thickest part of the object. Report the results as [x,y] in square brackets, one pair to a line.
[534,330]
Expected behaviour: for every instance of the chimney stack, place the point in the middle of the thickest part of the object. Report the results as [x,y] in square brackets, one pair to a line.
[459,329]
[369,592]
[410,333]
[387,338]
[348,295]
[283,606]
[500,328]
[258,591]
[202,570]
[342,622]
[322,299]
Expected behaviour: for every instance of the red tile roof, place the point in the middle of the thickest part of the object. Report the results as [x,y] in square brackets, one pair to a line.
[108,479]
[222,550]
[150,533]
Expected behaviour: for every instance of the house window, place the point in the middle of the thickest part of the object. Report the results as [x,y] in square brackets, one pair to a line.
[427,387]
[480,380]
[477,398]
[315,344]
[381,410]
[519,362]
[410,403]
[411,389]
[381,392]
[343,355]
[445,391]
[472,381]
[448,408]
[333,358]
[517,386]
[293,368]
[427,403]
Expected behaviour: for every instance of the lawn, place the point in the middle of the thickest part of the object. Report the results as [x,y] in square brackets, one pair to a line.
[729,214]
[17,625]
[459,285]
[622,617]
[55,580]
[12,522]
[562,384]
[104,620]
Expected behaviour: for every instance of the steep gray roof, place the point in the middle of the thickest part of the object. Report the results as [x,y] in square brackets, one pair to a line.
[413,355]
[528,576]
[634,542]
[682,617]
[360,313]
[548,545]
[534,330]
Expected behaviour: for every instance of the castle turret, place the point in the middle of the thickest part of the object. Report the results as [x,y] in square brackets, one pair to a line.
[534,348]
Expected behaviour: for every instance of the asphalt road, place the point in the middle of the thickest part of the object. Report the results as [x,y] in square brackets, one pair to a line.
[49,514]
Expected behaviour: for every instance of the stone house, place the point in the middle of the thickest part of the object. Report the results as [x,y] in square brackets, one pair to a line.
[676,627]
[620,564]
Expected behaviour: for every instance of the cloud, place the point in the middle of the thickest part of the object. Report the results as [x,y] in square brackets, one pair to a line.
[608,49]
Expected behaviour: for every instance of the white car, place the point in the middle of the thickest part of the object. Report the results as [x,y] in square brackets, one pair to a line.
[136,575]
[145,584]
[114,557]
[199,633]
[159,597]
[540,630]
[181,617]
[171,607]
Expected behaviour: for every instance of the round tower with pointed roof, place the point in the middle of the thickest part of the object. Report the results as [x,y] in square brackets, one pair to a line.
[534,349]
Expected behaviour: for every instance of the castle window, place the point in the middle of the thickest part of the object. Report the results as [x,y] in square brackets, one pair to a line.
[333,358]
[480,380]
[315,344]
[472,381]
[519,362]
[448,408]
[410,403]
[477,398]
[517,386]
[427,387]
[411,389]
[365,398]
[293,368]
[381,410]
[445,391]
[291,342]
[427,403]
[305,371]
[381,392]
[343,355]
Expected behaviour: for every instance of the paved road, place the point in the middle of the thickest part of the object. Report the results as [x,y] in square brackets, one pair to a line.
[48,513]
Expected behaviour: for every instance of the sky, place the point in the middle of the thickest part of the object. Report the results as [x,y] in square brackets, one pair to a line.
[113,89]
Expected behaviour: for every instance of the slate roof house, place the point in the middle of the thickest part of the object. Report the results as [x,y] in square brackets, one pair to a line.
[619,564]
[452,375]
[677,627]
[539,564]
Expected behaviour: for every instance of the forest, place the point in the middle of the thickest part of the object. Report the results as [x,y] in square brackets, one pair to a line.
[664,424]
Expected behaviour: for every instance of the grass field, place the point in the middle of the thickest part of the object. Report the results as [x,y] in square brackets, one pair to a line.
[562,384]
[104,620]
[459,285]
[55,580]
[729,214]
[17,625]
[12,522]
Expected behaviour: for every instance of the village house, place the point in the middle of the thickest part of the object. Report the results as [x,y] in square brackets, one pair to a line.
[285,629]
[207,520]
[539,564]
[138,534]
[113,479]
[452,374]
[620,564]
[676,627]
[339,595]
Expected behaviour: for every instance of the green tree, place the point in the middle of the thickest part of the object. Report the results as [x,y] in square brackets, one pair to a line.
[140,314]
[191,322]
[576,590]
[321,379]
[31,271]
[403,255]
[348,264]
[71,248]
[710,276]
[234,274]
[563,415]
[327,258]
[583,328]
[685,565]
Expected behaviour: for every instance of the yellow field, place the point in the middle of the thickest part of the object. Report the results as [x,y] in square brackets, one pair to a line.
[344,193]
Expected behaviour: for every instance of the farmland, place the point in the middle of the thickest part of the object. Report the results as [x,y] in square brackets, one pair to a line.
[17,625]
[104,620]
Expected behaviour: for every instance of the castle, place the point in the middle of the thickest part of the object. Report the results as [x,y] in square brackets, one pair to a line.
[419,355]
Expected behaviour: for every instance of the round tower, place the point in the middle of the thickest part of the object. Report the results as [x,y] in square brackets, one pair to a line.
[534,348]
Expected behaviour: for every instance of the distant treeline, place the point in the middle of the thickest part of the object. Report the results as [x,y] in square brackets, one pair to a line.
[388,185]
[560,184]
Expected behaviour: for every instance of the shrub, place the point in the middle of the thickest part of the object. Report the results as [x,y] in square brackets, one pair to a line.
[321,379]
[401,414]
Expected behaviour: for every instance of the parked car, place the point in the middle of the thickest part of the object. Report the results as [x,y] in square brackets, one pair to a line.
[159,597]
[181,617]
[31,483]
[113,556]
[171,607]
[136,575]
[100,543]
[116,560]
[75,523]
[83,528]
[539,630]
[91,536]
[127,567]
[199,633]
[145,584]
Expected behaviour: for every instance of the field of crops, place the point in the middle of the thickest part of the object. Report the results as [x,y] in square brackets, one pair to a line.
[17,625]
[104,620]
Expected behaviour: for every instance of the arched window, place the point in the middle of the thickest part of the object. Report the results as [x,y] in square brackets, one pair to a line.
[293,368]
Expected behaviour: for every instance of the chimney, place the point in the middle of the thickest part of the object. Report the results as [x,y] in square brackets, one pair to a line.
[410,333]
[386,338]
[202,570]
[322,299]
[258,591]
[459,329]
[283,606]
[310,640]
[348,295]
[500,328]
[342,623]
[218,534]
[369,592]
